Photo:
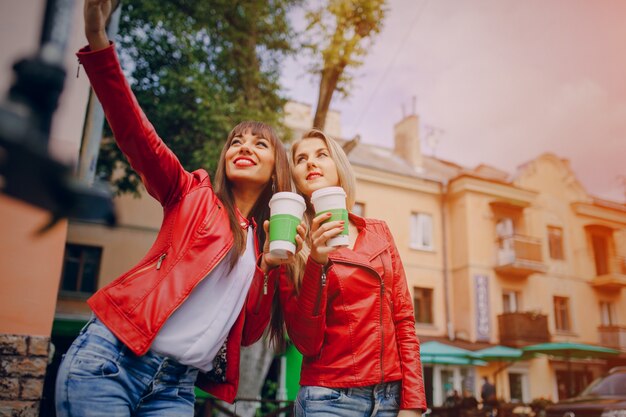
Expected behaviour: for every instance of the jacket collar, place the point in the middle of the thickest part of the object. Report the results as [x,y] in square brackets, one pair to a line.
[243,222]
[369,244]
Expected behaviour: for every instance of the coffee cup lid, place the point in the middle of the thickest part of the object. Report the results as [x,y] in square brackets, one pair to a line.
[327,191]
[289,195]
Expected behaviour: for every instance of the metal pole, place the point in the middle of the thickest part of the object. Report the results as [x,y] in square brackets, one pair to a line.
[281,393]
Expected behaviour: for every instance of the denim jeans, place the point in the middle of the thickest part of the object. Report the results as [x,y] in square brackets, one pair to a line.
[382,400]
[99,376]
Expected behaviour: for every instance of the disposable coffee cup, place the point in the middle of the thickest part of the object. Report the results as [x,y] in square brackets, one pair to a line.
[333,200]
[286,210]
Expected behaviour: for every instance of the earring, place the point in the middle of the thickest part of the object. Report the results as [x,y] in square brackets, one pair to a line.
[273,186]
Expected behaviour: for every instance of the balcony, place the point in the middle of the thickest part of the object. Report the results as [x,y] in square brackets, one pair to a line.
[612,276]
[523,328]
[613,336]
[519,255]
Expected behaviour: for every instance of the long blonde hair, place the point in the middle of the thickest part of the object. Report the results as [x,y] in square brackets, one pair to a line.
[295,271]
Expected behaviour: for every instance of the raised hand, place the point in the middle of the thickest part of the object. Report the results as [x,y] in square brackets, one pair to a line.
[320,233]
[96,14]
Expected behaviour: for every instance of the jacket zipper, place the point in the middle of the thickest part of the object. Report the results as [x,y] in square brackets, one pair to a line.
[211,270]
[382,330]
[382,300]
[158,262]
[318,301]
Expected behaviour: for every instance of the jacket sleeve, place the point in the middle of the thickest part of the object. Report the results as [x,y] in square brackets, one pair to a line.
[259,304]
[159,169]
[305,311]
[413,395]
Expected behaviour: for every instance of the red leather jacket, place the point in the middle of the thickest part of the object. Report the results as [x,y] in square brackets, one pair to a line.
[357,328]
[194,237]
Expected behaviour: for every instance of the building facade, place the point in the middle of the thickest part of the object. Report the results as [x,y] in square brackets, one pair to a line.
[492,258]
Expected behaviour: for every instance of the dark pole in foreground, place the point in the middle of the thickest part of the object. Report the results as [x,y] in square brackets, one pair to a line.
[27,171]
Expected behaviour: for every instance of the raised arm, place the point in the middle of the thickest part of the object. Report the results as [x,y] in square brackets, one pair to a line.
[161,172]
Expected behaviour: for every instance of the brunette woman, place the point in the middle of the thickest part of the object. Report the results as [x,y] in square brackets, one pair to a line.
[179,316]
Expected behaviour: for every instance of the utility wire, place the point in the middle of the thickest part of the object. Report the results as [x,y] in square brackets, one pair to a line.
[390,64]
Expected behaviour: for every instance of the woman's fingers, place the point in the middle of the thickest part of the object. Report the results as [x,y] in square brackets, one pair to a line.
[318,220]
[327,227]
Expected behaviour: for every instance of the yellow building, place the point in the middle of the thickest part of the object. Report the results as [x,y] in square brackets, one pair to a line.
[495,259]
[492,259]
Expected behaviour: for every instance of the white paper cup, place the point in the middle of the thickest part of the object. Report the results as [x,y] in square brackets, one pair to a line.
[286,210]
[333,199]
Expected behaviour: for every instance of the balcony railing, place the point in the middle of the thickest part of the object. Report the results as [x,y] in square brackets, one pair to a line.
[519,255]
[615,279]
[613,336]
[523,328]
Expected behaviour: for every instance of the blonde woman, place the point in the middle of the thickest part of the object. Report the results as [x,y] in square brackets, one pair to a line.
[348,310]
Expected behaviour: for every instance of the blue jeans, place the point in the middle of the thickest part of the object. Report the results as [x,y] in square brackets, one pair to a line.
[99,376]
[382,400]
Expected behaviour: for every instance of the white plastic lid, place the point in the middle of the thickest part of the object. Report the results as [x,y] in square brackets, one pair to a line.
[322,192]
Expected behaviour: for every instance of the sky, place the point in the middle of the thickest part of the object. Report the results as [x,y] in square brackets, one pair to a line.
[497,82]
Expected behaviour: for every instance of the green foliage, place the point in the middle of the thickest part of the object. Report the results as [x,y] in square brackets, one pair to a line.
[198,68]
[341,33]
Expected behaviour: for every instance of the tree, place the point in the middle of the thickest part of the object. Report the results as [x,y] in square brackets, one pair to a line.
[197,69]
[342,32]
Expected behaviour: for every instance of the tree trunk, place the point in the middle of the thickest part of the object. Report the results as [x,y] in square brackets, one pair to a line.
[328,84]
[255,362]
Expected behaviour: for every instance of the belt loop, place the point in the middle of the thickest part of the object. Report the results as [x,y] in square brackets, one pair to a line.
[387,389]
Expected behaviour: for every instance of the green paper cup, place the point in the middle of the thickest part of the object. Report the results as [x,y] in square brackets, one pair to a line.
[333,200]
[286,210]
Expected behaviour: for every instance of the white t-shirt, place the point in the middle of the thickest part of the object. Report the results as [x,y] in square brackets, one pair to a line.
[196,331]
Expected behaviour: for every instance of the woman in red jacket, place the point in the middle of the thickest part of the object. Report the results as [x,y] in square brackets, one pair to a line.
[180,315]
[348,310]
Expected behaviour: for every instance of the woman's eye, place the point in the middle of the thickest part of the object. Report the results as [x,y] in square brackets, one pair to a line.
[263,144]
[300,160]
[235,141]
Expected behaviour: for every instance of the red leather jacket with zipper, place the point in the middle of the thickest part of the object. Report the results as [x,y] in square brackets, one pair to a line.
[194,237]
[354,323]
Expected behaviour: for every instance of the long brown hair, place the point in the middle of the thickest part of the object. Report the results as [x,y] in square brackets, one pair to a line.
[280,180]
[295,271]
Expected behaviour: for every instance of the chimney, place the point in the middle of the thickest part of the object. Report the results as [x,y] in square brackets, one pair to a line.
[407,141]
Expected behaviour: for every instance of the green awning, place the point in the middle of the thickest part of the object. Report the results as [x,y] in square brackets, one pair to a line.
[451,360]
[571,350]
[499,353]
[434,348]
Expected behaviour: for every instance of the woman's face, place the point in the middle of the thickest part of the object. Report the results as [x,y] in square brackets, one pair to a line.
[249,160]
[313,167]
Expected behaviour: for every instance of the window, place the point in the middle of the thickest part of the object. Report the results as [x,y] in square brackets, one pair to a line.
[81,266]
[510,301]
[423,303]
[359,209]
[421,231]
[517,387]
[606,314]
[555,242]
[600,246]
[561,314]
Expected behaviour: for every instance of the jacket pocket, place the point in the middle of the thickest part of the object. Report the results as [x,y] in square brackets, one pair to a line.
[129,292]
